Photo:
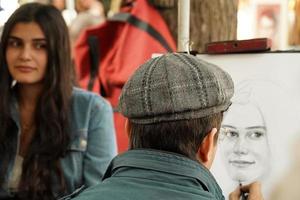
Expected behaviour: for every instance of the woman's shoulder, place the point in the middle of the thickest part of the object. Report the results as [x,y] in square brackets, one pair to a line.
[84,97]
[86,107]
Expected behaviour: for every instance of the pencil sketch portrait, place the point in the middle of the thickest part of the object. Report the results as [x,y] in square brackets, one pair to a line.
[244,144]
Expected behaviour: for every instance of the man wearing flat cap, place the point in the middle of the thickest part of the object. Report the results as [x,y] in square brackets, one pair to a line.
[174,106]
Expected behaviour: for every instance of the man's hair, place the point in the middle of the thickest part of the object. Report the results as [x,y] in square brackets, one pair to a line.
[182,136]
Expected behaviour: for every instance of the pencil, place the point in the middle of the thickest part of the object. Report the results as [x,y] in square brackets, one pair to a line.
[244,195]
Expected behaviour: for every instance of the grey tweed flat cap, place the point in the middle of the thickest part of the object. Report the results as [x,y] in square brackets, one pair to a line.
[175,86]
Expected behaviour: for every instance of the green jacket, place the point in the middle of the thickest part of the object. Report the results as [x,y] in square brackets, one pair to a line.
[150,174]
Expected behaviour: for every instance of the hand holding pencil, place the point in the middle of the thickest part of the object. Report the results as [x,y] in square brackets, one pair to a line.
[247,192]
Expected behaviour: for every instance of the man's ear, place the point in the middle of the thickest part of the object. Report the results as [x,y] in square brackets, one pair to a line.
[127,127]
[207,150]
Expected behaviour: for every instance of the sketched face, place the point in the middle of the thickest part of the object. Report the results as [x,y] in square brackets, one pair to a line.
[243,143]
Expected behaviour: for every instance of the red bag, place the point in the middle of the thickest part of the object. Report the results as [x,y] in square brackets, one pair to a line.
[107,55]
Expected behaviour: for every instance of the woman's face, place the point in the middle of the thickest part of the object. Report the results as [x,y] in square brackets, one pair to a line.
[26,53]
[243,143]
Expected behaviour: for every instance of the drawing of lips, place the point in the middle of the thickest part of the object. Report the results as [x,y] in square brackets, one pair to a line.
[241,163]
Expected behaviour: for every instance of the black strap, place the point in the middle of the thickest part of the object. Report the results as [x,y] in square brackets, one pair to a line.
[92,41]
[94,49]
[131,19]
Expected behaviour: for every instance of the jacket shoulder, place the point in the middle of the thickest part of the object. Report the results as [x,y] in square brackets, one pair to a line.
[83,97]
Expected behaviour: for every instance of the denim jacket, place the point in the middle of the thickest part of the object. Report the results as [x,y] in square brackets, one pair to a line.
[92,146]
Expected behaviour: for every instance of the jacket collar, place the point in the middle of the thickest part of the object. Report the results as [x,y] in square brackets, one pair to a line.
[167,162]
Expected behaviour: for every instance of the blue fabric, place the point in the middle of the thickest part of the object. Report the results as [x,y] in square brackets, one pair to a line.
[150,174]
[93,142]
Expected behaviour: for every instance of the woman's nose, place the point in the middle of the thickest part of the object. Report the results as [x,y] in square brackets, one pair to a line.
[241,146]
[25,53]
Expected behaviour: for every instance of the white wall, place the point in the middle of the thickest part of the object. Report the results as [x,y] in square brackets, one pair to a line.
[9,7]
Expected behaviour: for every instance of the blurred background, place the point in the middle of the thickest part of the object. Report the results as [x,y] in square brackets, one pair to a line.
[275,19]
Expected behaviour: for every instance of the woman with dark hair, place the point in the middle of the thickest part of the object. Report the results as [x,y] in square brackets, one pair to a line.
[54,138]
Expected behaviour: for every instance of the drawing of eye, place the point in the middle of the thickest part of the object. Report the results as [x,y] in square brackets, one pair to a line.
[232,134]
[256,134]
[229,133]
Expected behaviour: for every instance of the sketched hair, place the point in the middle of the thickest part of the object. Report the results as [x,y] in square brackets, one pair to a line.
[244,94]
[51,139]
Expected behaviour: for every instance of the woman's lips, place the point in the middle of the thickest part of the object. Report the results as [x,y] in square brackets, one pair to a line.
[25,69]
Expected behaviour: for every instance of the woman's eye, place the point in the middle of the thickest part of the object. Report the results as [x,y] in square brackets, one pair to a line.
[14,43]
[40,45]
